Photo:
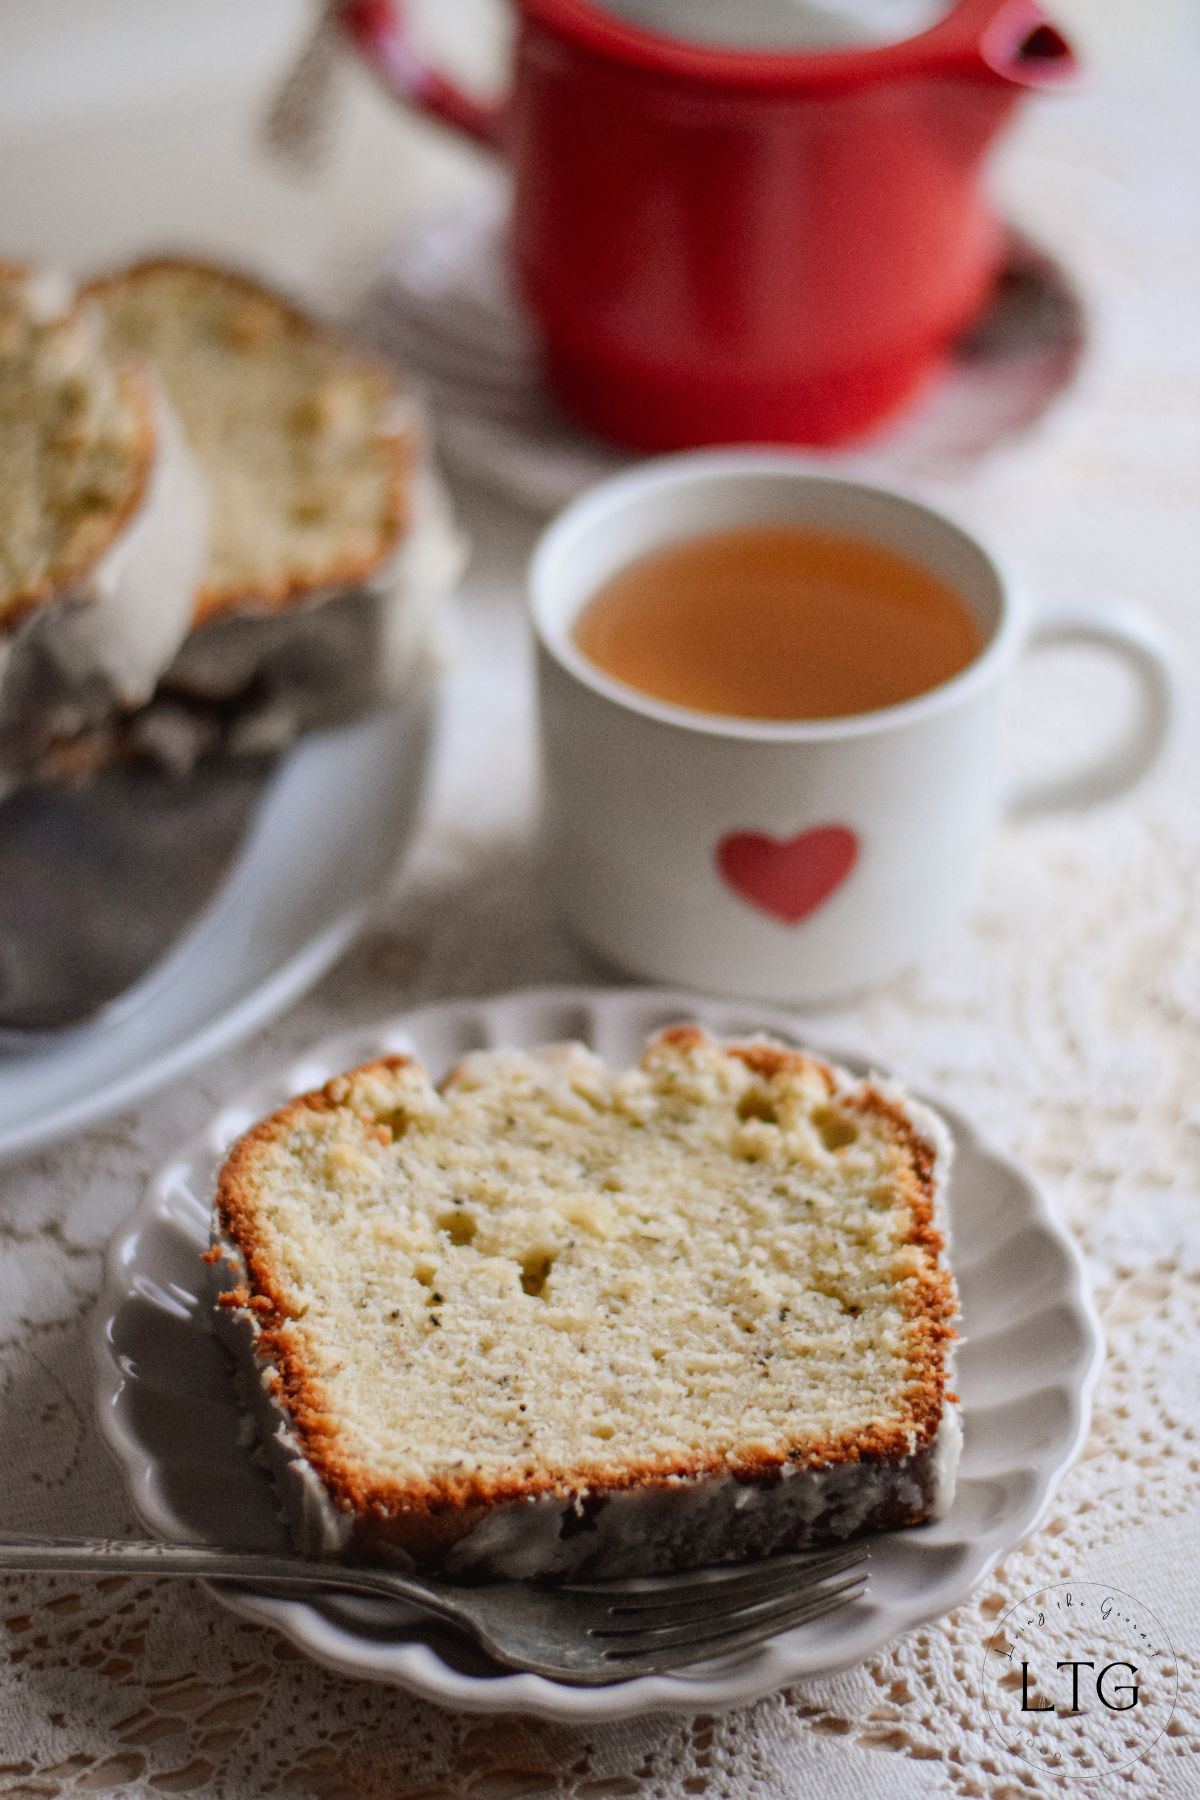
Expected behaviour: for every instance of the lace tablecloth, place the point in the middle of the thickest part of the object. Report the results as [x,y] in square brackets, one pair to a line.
[1065,1015]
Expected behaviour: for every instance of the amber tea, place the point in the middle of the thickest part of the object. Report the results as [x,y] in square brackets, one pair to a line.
[778,622]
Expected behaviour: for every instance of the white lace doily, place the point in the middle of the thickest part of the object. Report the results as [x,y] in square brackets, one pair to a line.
[1065,1015]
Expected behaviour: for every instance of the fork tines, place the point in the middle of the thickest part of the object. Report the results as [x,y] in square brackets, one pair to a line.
[666,1623]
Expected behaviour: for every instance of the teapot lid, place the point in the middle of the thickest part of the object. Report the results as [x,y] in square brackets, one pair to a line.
[782,25]
[1006,41]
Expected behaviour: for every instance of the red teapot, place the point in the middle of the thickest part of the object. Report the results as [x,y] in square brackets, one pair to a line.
[733,245]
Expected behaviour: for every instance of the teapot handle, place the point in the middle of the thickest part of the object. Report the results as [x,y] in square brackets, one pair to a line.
[379,32]
[1014,42]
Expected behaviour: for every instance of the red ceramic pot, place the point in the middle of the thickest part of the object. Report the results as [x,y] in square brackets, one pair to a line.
[726,245]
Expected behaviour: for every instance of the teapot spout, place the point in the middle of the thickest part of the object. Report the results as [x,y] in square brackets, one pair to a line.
[1020,47]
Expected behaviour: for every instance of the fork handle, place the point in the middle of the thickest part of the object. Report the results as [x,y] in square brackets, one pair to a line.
[150,1556]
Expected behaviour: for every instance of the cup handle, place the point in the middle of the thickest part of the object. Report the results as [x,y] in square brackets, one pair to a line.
[1130,638]
[380,33]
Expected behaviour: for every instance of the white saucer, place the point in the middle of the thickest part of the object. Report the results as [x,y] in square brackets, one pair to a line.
[327,833]
[1025,1373]
[446,310]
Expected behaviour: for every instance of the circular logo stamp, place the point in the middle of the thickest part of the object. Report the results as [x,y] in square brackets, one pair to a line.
[1079,1679]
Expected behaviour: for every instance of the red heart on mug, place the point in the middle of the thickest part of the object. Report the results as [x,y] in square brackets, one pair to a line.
[789,877]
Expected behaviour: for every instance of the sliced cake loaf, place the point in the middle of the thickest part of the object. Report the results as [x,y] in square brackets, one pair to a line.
[553,1317]
[101,521]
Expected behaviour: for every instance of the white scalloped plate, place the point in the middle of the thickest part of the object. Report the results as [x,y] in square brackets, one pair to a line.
[1030,1355]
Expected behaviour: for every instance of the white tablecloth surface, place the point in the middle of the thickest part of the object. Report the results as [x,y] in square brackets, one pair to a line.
[1065,1014]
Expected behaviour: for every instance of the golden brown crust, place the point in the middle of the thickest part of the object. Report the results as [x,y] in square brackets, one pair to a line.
[215,601]
[139,395]
[763,1059]
[426,1516]
[770,1060]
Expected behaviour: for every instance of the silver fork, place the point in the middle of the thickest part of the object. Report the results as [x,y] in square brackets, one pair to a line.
[582,1632]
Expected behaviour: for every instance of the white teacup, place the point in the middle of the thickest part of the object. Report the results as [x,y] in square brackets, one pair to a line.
[789,862]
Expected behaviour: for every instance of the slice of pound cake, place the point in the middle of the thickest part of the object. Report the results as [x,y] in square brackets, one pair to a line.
[102,521]
[326,541]
[303,456]
[552,1317]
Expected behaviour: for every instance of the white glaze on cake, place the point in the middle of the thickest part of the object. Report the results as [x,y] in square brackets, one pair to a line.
[137,607]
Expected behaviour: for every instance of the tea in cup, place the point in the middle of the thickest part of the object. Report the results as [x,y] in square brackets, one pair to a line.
[771,722]
[778,622]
